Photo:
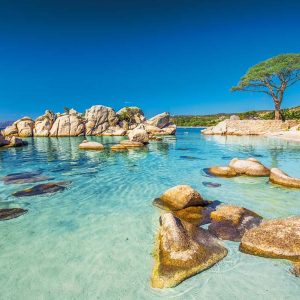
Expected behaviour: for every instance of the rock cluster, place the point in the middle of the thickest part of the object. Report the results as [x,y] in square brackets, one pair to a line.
[250,167]
[96,121]
[183,248]
[253,167]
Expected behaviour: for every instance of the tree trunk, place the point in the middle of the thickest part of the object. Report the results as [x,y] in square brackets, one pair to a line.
[277,110]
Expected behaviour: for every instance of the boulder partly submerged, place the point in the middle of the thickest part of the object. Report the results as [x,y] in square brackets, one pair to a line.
[179,197]
[279,177]
[118,147]
[181,251]
[11,213]
[85,145]
[279,238]
[230,222]
[250,166]
[224,171]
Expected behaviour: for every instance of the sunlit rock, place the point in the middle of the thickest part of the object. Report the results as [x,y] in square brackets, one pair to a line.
[279,177]
[278,238]
[85,145]
[179,197]
[181,251]
[230,222]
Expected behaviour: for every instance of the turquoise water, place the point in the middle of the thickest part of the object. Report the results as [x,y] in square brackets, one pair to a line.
[94,240]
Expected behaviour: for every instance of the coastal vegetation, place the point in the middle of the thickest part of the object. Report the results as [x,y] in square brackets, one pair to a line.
[211,120]
[272,77]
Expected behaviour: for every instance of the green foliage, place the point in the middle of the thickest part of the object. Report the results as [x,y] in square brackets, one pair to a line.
[66,110]
[127,114]
[271,73]
[206,121]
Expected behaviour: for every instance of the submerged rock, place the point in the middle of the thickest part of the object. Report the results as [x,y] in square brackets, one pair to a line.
[222,171]
[181,251]
[250,167]
[211,184]
[15,177]
[85,145]
[11,213]
[43,189]
[279,177]
[179,197]
[279,238]
[230,222]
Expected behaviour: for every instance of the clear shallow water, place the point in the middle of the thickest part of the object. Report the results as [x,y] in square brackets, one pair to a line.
[94,240]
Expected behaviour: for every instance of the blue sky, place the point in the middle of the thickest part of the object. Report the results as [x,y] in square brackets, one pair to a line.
[176,56]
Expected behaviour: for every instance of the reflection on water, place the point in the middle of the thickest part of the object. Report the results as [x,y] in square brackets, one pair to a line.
[94,239]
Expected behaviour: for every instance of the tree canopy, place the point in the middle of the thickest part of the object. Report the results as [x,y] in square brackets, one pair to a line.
[272,77]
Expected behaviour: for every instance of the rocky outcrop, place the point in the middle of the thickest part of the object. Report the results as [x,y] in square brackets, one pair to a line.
[160,121]
[249,127]
[99,118]
[71,124]
[25,127]
[179,197]
[274,238]
[249,166]
[85,145]
[130,117]
[279,177]
[230,222]
[44,123]
[181,251]
[3,141]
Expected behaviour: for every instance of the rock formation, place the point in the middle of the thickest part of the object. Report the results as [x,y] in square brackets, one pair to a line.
[179,197]
[98,120]
[181,251]
[44,123]
[230,222]
[278,238]
[279,177]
